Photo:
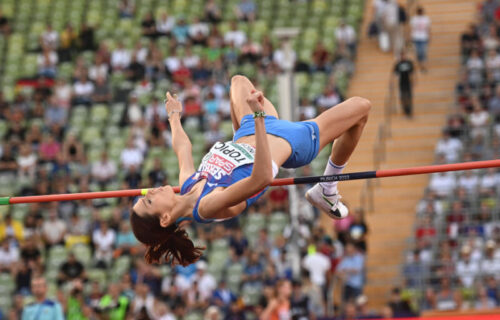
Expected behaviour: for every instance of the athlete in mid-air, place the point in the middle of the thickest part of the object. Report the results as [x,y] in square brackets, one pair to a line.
[234,174]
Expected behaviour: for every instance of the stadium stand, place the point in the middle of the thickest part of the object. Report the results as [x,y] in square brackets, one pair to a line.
[81,110]
[455,262]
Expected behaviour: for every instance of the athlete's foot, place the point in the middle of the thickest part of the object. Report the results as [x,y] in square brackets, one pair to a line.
[330,204]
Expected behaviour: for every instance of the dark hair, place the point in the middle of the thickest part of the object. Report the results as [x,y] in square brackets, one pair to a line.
[170,244]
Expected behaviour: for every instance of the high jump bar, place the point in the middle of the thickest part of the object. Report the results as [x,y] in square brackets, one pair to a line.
[276,182]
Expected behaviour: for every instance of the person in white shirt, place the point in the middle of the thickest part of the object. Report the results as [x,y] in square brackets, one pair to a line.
[172,62]
[235,36]
[83,90]
[99,69]
[120,57]
[47,62]
[318,266]
[346,37]
[449,147]
[9,256]
[475,68]
[442,184]
[469,181]
[134,110]
[165,24]
[466,268]
[489,180]
[420,34]
[104,170]
[493,64]
[190,59]
[104,239]
[283,59]
[49,38]
[490,265]
[131,156]
[198,31]
[206,281]
[53,229]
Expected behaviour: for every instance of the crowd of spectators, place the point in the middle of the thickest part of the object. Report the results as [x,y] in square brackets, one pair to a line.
[83,255]
[456,260]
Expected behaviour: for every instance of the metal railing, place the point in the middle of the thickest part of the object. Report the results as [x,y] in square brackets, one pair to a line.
[379,148]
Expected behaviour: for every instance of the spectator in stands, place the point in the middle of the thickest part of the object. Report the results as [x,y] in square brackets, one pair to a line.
[198,32]
[102,91]
[246,10]
[415,271]
[475,68]
[51,308]
[351,269]
[222,296]
[47,62]
[26,162]
[283,58]
[131,155]
[126,244]
[181,31]
[469,181]
[318,265]
[10,228]
[113,305]
[157,175]
[104,170]
[483,301]
[346,38]
[330,97]
[490,264]
[404,71]
[103,239]
[279,305]
[320,58]
[83,91]
[450,147]
[446,298]
[467,269]
[358,230]
[165,24]
[253,269]
[206,282]
[86,38]
[494,105]
[68,43]
[4,25]
[493,64]
[49,38]
[421,33]
[53,229]
[235,36]
[55,114]
[126,9]
[70,270]
[148,25]
[212,12]
[238,242]
[9,256]
[120,57]
[399,306]
[135,70]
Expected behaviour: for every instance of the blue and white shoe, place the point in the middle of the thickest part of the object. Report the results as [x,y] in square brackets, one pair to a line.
[330,204]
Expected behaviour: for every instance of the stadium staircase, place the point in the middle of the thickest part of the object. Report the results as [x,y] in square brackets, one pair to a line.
[411,142]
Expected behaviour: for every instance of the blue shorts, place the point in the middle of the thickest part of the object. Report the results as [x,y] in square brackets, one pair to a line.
[303,137]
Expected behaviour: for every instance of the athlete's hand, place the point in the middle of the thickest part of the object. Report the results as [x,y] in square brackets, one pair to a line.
[172,104]
[256,101]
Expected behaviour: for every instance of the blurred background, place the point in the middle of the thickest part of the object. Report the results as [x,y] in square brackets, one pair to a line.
[82,85]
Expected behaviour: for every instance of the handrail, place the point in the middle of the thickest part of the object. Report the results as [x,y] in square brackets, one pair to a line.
[379,147]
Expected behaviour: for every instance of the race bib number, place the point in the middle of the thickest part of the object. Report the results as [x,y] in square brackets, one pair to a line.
[224,157]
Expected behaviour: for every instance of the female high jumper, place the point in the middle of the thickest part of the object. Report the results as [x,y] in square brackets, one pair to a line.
[234,174]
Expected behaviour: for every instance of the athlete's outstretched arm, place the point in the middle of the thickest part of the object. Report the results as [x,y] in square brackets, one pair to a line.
[180,141]
[215,205]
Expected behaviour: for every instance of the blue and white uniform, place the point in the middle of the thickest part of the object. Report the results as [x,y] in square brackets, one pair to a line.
[225,164]
[229,162]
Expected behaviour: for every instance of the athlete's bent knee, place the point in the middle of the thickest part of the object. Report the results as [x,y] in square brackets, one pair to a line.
[238,78]
[363,105]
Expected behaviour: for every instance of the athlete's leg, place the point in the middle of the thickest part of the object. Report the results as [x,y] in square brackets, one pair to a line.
[343,123]
[241,88]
